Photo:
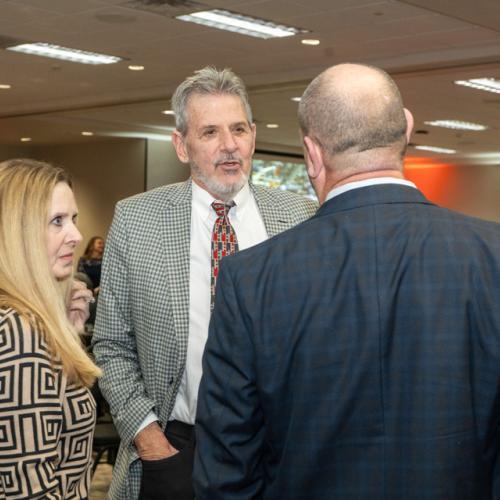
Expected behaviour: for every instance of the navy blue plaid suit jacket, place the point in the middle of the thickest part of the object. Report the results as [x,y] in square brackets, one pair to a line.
[356,356]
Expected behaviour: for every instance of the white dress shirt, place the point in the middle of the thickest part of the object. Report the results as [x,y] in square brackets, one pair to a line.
[250,230]
[367,182]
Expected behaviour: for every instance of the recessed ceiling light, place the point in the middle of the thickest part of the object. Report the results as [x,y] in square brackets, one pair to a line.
[436,150]
[487,84]
[64,53]
[296,99]
[168,112]
[5,86]
[25,139]
[272,125]
[135,67]
[310,42]
[245,25]
[87,133]
[456,125]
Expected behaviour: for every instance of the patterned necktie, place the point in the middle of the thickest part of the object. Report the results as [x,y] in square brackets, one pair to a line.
[224,242]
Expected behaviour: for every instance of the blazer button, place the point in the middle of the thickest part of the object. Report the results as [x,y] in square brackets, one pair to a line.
[171,381]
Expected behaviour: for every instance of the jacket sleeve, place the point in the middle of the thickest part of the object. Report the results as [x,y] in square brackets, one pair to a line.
[31,413]
[229,425]
[114,341]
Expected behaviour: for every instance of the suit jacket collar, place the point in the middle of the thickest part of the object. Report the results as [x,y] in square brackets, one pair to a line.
[180,194]
[276,217]
[176,234]
[372,195]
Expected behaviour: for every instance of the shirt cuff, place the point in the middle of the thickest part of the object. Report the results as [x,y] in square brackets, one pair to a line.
[150,418]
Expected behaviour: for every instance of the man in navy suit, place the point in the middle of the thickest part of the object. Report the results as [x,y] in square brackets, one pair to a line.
[357,355]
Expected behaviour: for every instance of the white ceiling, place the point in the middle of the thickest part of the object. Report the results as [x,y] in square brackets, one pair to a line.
[424,44]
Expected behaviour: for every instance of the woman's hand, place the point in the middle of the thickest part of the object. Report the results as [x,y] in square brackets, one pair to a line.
[78,308]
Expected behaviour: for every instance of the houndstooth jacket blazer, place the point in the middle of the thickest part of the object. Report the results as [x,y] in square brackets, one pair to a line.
[141,332]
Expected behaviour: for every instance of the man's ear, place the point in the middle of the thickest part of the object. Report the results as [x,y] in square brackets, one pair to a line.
[409,124]
[253,128]
[180,147]
[314,157]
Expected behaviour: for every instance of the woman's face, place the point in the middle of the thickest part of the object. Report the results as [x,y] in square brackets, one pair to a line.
[62,234]
[98,246]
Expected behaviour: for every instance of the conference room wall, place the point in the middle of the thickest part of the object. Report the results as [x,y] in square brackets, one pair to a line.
[8,152]
[103,172]
[162,165]
[471,189]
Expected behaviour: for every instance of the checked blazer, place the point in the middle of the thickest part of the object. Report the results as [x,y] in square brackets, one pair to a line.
[141,332]
[356,356]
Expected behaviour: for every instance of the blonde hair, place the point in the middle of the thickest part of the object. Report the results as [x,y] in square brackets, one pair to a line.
[27,283]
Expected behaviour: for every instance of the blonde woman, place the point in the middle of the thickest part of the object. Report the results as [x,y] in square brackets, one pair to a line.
[47,414]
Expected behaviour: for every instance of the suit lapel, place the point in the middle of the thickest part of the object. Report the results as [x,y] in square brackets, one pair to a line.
[276,219]
[176,229]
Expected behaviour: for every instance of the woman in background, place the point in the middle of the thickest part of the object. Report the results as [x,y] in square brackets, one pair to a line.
[47,414]
[91,260]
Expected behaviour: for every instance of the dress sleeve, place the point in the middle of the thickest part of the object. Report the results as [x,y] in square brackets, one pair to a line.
[31,414]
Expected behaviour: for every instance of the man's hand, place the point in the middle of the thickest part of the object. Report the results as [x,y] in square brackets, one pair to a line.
[151,443]
[78,307]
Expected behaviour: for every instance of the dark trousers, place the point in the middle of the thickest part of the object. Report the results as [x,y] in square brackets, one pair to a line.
[170,478]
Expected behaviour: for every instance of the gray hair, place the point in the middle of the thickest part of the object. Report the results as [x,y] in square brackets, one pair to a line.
[210,81]
[342,119]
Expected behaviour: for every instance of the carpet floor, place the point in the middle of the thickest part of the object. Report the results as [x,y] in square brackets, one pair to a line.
[100,482]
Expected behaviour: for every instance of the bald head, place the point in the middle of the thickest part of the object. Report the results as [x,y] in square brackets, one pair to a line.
[353,108]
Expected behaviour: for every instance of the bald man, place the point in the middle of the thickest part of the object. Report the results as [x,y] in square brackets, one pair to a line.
[356,356]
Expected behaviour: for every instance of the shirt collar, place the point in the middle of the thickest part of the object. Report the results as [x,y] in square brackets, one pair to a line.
[202,201]
[367,182]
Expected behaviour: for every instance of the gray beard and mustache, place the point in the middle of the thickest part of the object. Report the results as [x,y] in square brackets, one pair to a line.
[224,191]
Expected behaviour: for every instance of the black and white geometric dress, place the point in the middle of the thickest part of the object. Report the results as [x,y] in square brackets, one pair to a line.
[46,423]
